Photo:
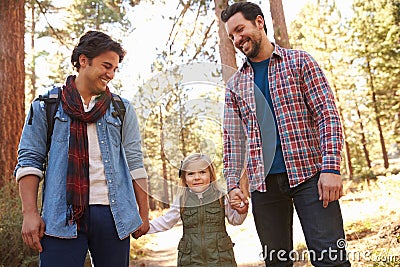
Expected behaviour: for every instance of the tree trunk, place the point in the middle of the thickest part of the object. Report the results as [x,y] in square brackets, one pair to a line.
[164,164]
[226,49]
[33,63]
[363,139]
[377,116]
[182,131]
[12,81]
[278,21]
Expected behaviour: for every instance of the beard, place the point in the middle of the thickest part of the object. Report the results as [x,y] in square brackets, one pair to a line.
[255,49]
[255,45]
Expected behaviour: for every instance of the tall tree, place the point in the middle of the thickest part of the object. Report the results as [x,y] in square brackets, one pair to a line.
[226,48]
[278,21]
[362,136]
[35,12]
[375,47]
[12,78]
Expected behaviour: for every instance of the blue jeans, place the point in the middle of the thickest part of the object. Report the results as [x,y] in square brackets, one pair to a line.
[106,249]
[322,227]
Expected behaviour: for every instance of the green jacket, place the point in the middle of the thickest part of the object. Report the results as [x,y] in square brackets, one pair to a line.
[205,241]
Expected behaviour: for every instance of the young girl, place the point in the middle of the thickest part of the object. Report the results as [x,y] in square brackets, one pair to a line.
[202,207]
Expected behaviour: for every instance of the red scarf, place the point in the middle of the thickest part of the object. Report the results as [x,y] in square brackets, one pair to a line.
[78,155]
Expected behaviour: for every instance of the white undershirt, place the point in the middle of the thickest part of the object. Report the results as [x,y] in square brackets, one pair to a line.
[98,193]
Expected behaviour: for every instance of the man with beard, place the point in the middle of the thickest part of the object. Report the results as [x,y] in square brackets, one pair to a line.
[95,186]
[282,127]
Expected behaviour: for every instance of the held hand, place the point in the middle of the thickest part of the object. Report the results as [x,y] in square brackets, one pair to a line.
[330,188]
[243,208]
[33,230]
[238,201]
[143,229]
[239,205]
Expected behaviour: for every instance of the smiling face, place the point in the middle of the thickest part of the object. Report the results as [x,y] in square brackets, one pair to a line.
[197,175]
[96,73]
[246,35]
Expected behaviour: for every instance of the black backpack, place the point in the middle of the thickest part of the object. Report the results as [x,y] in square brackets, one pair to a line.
[52,100]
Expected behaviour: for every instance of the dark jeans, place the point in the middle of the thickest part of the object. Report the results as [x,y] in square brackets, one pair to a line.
[322,227]
[106,249]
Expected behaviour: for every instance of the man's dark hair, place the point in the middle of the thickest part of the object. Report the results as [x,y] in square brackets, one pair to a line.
[94,43]
[249,10]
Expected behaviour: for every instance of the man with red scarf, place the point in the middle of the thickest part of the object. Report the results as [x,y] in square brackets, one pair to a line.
[95,186]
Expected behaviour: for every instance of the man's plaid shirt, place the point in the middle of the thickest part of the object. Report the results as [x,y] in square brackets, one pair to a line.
[307,118]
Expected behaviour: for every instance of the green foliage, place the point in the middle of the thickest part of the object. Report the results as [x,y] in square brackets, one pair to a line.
[60,35]
[360,56]
[193,36]
[96,15]
[12,249]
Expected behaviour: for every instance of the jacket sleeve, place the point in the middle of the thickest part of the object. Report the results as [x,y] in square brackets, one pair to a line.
[166,221]
[132,143]
[320,99]
[32,146]
[232,215]
[234,139]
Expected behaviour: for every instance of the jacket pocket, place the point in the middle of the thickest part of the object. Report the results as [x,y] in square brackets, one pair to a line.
[114,129]
[60,128]
[184,249]
[225,243]
[225,250]
[214,214]
[190,216]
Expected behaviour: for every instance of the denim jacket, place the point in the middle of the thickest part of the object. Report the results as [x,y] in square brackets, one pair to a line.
[119,158]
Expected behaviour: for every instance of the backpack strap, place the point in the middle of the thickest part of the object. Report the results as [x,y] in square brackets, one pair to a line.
[119,109]
[52,101]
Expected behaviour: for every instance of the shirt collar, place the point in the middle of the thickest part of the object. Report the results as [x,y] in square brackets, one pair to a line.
[277,52]
[200,194]
[91,104]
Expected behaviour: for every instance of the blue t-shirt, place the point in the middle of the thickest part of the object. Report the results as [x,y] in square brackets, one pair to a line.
[271,143]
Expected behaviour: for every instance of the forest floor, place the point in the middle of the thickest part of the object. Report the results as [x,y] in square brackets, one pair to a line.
[371,214]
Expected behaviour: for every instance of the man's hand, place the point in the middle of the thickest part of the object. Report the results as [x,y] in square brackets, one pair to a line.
[33,230]
[238,201]
[142,230]
[330,188]
[142,199]
[33,225]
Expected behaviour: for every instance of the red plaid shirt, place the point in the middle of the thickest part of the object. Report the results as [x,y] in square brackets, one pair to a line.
[307,118]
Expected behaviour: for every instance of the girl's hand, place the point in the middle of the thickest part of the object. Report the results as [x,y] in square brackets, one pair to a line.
[240,206]
[236,202]
[236,198]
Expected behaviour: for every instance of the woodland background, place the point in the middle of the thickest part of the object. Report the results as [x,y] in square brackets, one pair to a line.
[359,53]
